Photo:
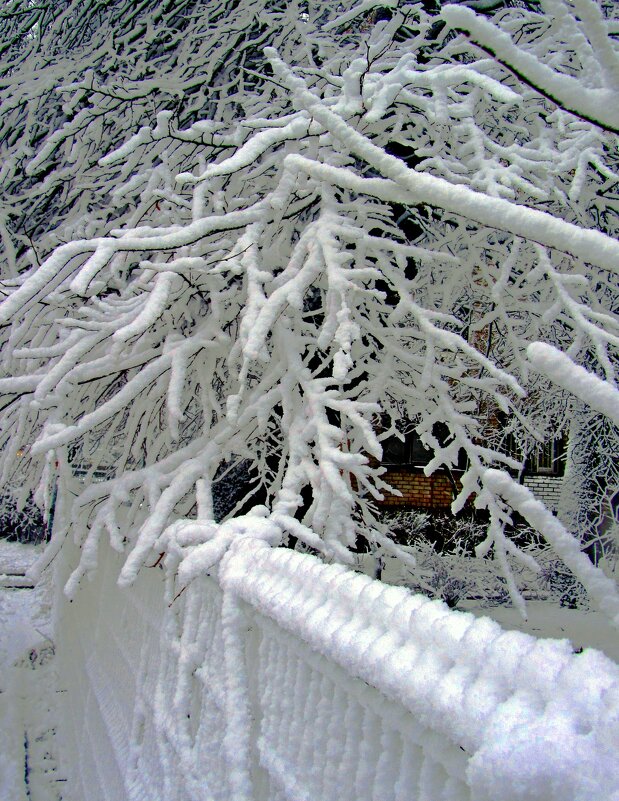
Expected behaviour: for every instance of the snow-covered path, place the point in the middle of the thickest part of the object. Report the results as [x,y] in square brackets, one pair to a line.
[28,702]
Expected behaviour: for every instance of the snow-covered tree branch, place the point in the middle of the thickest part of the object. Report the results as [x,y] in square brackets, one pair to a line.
[238,236]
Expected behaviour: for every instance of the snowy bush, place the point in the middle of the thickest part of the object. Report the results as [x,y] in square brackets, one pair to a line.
[21,521]
[242,234]
[446,567]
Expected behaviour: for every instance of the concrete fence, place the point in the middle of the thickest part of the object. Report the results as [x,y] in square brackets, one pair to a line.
[279,677]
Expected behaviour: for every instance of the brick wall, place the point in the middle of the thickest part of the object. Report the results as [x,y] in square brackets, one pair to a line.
[546,488]
[436,492]
[418,491]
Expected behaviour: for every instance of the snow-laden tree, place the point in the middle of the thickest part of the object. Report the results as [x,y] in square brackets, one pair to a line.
[78,80]
[285,230]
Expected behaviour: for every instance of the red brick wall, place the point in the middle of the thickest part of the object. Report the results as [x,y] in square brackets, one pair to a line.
[418,491]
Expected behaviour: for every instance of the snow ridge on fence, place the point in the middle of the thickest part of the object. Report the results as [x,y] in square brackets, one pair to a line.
[278,677]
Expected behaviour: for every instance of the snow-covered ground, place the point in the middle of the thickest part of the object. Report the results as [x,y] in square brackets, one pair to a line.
[28,701]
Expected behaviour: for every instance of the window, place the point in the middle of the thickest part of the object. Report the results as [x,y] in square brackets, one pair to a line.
[411,451]
[548,458]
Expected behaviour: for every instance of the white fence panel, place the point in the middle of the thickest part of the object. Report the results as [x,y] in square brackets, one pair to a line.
[280,678]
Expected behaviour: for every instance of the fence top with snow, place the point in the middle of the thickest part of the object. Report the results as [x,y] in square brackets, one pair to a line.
[535,716]
[264,636]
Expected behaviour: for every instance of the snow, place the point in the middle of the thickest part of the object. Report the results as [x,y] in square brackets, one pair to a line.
[281,630]
[364,225]
[28,705]
[594,391]
[601,588]
[277,673]
[18,613]
[591,246]
[346,625]
[598,104]
[583,628]
[262,274]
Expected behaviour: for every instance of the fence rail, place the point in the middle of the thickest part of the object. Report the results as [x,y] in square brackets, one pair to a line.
[280,678]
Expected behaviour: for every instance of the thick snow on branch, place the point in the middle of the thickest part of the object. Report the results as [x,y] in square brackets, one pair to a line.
[597,105]
[600,587]
[561,370]
[243,245]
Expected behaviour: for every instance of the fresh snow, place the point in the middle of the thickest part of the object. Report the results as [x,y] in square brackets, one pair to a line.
[600,395]
[242,249]
[272,673]
[28,702]
[598,104]
[280,277]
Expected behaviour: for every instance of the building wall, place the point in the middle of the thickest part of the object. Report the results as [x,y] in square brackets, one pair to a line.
[436,492]
[418,490]
[546,488]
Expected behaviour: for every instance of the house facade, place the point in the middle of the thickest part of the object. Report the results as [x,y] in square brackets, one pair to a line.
[405,460]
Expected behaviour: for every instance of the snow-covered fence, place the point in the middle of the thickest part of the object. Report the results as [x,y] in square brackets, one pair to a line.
[279,677]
